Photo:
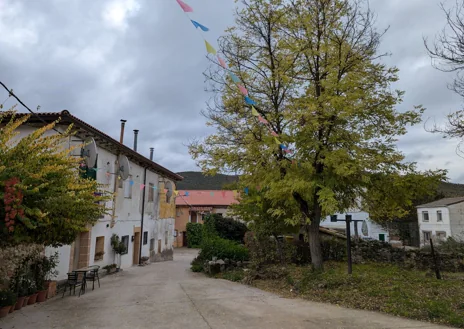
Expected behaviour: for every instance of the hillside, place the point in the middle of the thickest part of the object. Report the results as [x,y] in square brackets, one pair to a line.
[451,190]
[195,180]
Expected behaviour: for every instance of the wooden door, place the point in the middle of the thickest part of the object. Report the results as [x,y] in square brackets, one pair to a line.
[136,248]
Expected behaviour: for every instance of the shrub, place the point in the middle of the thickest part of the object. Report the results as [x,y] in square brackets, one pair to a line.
[214,246]
[265,250]
[194,235]
[7,298]
[197,264]
[227,228]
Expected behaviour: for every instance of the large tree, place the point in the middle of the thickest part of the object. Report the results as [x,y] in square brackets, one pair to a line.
[447,54]
[43,198]
[313,68]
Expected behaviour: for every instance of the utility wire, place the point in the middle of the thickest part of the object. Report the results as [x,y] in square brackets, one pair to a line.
[10,92]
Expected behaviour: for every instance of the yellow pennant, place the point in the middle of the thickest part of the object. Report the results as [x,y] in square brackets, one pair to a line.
[254,112]
[277,141]
[210,49]
[235,193]
[176,192]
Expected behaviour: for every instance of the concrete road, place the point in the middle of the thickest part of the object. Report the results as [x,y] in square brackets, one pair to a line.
[168,295]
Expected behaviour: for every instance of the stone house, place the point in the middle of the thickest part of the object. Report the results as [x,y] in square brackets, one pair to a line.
[193,205]
[441,219]
[145,227]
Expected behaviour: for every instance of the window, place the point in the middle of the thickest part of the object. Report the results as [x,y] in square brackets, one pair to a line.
[125,240]
[333,218]
[439,216]
[99,248]
[152,244]
[425,216]
[427,235]
[151,192]
[178,212]
[145,237]
[441,235]
[166,238]
[128,187]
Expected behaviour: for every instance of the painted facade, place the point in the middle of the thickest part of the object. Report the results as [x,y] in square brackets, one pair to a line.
[366,228]
[157,235]
[441,219]
[192,206]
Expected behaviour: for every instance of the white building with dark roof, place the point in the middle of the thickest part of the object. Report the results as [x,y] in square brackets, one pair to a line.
[441,219]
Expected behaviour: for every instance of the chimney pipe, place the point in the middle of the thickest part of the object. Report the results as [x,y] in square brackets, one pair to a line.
[121,138]
[151,153]
[136,133]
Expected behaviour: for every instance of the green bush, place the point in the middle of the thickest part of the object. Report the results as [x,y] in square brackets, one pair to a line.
[227,228]
[197,264]
[194,235]
[214,246]
[7,298]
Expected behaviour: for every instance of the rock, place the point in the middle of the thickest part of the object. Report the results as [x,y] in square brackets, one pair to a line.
[211,262]
[220,262]
[226,261]
[239,264]
[214,258]
[246,263]
[214,269]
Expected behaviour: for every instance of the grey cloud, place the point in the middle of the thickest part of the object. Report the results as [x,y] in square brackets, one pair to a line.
[148,69]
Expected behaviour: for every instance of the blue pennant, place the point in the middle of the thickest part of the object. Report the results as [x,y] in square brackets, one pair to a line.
[246,190]
[202,27]
[234,77]
[249,101]
[131,182]
[187,193]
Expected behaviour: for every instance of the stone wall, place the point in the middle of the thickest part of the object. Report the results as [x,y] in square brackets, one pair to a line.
[420,259]
[11,257]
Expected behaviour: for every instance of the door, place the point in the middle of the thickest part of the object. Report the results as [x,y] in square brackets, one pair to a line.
[382,237]
[184,239]
[136,248]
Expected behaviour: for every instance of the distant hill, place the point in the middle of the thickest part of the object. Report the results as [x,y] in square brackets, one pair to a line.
[450,190]
[195,180]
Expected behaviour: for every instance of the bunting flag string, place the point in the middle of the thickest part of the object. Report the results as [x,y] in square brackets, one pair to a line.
[211,50]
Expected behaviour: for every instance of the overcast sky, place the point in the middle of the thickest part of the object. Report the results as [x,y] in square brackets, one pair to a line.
[142,60]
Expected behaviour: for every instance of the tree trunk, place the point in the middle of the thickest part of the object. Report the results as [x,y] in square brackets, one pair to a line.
[314,238]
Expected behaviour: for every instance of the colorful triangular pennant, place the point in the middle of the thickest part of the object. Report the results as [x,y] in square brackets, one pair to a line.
[222,62]
[249,101]
[186,193]
[254,112]
[142,186]
[198,25]
[277,141]
[243,90]
[262,120]
[185,7]
[210,49]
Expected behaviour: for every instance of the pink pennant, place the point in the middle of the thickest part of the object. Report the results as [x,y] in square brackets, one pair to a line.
[262,120]
[243,90]
[165,190]
[223,194]
[185,6]
[273,133]
[142,186]
[222,62]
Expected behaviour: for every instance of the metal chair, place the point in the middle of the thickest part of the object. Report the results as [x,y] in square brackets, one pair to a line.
[93,276]
[72,282]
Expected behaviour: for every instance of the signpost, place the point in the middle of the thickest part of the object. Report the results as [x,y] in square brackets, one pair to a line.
[348,220]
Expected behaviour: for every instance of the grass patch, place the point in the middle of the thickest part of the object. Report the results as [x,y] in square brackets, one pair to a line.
[377,287]
[234,275]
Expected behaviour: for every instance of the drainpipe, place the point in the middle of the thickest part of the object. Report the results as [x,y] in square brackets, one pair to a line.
[116,174]
[143,203]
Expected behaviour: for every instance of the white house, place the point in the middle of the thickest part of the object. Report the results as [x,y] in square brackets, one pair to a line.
[151,227]
[361,226]
[441,219]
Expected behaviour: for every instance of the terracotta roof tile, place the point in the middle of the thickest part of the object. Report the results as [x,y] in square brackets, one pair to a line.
[206,198]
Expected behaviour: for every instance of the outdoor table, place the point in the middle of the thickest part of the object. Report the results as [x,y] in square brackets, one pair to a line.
[84,271]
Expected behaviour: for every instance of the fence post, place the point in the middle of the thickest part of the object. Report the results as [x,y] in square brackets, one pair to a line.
[348,242]
[435,261]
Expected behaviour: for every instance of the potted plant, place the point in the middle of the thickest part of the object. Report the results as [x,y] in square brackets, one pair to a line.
[51,273]
[110,268]
[18,285]
[32,293]
[7,301]
[119,248]
[22,292]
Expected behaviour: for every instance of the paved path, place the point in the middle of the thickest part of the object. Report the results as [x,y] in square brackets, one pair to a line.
[168,295]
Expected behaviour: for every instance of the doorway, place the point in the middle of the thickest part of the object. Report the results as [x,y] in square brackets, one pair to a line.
[382,237]
[136,253]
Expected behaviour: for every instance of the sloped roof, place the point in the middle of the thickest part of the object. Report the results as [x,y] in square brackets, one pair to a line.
[205,198]
[99,136]
[442,202]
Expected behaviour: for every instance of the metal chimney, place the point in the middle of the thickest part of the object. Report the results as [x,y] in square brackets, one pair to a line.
[151,153]
[136,133]
[121,137]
